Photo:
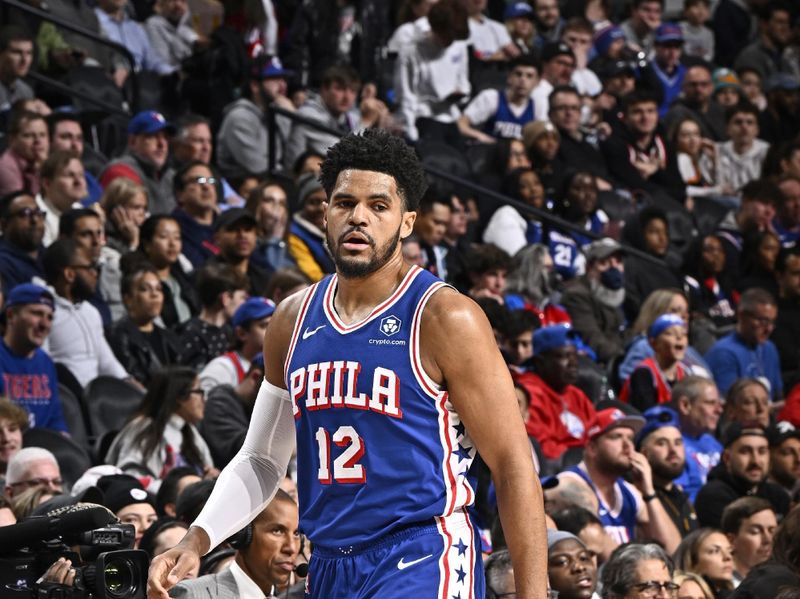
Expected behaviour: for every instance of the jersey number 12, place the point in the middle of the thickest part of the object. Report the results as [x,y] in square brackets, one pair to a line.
[346,468]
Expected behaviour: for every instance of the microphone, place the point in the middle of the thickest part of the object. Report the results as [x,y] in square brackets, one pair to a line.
[301,570]
[42,528]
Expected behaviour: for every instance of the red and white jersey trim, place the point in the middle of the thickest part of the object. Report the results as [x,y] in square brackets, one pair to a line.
[457,562]
[298,326]
[344,329]
[459,492]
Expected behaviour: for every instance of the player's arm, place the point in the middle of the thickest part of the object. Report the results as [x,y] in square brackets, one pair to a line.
[250,480]
[458,347]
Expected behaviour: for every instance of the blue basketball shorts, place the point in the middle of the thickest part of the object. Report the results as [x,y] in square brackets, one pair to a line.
[440,560]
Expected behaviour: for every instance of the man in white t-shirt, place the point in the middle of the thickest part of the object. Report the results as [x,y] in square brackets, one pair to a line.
[495,113]
[489,39]
[578,34]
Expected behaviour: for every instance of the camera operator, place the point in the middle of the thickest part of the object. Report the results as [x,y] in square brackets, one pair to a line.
[265,558]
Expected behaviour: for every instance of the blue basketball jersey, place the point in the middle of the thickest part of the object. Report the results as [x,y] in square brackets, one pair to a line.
[379,445]
[619,522]
[504,123]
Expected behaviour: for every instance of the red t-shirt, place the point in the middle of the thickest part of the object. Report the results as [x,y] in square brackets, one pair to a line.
[557,420]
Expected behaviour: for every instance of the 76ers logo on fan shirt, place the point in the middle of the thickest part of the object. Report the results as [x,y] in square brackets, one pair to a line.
[390,325]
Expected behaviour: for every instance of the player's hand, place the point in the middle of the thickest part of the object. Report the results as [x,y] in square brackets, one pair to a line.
[169,568]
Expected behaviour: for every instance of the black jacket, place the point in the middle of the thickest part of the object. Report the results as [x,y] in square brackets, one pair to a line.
[599,325]
[224,423]
[722,488]
[137,352]
[765,581]
[785,336]
[667,181]
[169,314]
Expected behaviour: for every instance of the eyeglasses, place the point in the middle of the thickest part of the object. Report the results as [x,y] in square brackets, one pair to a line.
[202,180]
[762,320]
[29,213]
[565,108]
[39,482]
[197,391]
[652,588]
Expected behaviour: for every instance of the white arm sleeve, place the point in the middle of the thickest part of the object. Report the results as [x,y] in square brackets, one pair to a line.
[249,482]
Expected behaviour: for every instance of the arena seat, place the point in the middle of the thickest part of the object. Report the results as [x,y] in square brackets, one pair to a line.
[442,156]
[111,402]
[73,460]
[75,416]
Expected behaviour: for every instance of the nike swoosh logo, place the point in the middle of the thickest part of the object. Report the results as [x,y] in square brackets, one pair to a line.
[401,565]
[307,333]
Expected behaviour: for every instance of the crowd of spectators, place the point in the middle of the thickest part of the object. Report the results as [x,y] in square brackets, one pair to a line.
[642,276]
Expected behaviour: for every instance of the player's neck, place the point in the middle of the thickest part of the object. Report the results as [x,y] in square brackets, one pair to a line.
[356,297]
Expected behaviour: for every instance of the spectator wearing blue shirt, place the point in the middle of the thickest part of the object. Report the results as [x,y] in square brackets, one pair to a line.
[196,195]
[119,27]
[699,407]
[22,223]
[28,373]
[66,134]
[747,351]
[664,75]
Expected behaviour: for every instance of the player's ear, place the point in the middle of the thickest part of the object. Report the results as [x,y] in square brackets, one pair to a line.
[407,225]
[325,214]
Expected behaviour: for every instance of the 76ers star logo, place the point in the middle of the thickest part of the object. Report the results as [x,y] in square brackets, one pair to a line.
[390,325]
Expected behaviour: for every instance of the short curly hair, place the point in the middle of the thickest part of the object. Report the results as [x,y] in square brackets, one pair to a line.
[379,151]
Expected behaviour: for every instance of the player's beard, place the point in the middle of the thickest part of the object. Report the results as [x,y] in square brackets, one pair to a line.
[355,268]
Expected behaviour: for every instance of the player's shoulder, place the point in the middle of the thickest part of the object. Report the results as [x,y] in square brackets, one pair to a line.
[449,312]
[282,323]
[448,305]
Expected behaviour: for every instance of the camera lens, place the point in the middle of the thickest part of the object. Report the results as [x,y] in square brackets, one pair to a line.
[118,578]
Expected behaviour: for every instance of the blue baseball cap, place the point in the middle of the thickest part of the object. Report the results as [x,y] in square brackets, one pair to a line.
[255,308]
[668,33]
[553,337]
[662,323]
[272,69]
[655,418]
[518,9]
[28,293]
[148,122]
[607,36]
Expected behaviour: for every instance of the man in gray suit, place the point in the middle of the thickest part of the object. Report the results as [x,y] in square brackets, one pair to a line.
[265,559]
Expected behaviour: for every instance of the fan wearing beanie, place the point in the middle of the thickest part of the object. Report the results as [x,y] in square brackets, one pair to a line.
[125,496]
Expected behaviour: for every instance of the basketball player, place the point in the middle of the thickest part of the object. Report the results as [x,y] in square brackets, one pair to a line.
[389,381]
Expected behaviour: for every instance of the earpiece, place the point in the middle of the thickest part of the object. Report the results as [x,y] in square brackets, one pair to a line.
[242,539]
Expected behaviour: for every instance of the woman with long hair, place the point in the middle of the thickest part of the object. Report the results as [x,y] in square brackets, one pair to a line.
[707,552]
[712,299]
[691,586]
[532,284]
[163,433]
[760,252]
[160,244]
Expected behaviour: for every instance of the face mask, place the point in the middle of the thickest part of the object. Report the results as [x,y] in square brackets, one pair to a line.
[553,280]
[612,278]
